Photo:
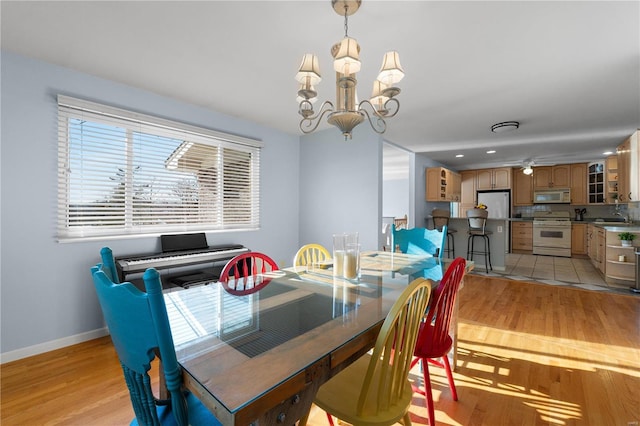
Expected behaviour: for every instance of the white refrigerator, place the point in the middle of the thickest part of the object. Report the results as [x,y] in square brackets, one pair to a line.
[498,203]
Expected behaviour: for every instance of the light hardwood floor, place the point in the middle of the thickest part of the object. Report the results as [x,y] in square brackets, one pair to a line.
[530,354]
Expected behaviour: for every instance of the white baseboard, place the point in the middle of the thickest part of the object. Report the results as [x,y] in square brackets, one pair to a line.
[52,345]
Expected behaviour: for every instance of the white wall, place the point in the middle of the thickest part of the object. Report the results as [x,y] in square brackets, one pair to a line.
[47,297]
[340,184]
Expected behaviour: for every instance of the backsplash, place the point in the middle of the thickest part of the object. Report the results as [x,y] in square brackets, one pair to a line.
[594,211]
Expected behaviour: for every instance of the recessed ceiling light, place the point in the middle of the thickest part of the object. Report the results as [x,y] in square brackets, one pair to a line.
[492,151]
[607,153]
[459,155]
[505,126]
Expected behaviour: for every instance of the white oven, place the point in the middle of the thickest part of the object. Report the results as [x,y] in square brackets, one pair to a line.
[552,196]
[552,234]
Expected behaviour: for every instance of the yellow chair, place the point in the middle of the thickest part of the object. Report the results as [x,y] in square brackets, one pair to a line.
[375,389]
[311,253]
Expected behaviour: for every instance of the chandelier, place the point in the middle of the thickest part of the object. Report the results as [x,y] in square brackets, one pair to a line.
[347,113]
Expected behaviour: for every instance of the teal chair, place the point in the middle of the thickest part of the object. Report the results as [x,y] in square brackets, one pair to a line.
[109,264]
[420,241]
[139,325]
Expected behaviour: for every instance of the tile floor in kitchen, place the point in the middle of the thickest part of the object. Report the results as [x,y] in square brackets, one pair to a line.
[574,272]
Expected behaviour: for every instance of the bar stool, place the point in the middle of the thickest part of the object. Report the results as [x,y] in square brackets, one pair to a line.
[440,218]
[477,219]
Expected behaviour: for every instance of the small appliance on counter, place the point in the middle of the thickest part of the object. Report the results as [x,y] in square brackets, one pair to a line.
[580,214]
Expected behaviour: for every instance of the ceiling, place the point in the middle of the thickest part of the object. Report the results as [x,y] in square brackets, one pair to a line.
[568,71]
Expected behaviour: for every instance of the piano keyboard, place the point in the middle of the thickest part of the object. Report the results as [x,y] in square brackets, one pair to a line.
[171,260]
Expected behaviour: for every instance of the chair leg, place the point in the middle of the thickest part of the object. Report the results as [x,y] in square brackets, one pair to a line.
[427,392]
[487,254]
[452,385]
[330,419]
[453,246]
[406,419]
[304,419]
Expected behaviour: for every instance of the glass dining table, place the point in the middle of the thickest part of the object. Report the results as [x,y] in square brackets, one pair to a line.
[260,358]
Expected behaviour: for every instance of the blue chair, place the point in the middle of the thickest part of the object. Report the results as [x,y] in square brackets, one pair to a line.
[139,325]
[420,240]
[109,264]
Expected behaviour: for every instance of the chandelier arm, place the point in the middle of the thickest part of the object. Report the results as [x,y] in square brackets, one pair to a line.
[379,126]
[396,107]
[307,123]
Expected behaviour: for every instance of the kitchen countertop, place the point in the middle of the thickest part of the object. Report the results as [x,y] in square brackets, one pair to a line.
[609,225]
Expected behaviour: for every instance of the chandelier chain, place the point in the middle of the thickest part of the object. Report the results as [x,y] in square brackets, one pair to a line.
[346,21]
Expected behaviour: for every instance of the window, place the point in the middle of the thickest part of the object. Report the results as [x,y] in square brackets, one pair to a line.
[123,173]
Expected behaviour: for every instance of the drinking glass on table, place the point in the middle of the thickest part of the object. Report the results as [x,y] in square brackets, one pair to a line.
[352,261]
[338,254]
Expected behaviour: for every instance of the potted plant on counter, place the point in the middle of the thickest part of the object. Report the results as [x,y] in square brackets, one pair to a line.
[626,238]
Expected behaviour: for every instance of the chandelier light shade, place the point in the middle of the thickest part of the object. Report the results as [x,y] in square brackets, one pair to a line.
[347,112]
[348,57]
[309,72]
[391,71]
[378,98]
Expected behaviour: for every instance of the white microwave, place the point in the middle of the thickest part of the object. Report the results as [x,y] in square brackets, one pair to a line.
[550,196]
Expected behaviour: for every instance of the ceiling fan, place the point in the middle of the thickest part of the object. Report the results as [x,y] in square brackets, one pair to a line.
[528,165]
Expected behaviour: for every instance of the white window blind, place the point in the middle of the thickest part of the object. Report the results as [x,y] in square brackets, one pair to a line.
[123,173]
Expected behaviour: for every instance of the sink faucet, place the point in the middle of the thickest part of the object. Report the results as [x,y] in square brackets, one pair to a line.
[626,217]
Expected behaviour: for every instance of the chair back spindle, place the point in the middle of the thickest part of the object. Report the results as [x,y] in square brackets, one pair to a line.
[311,253]
[244,274]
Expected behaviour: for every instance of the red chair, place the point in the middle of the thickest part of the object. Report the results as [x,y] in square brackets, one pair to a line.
[243,274]
[434,341]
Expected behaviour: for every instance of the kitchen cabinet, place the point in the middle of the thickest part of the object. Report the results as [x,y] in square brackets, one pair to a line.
[600,249]
[595,183]
[578,183]
[619,270]
[522,188]
[442,185]
[453,189]
[611,179]
[596,246]
[578,239]
[552,177]
[628,154]
[590,242]
[521,236]
[468,196]
[487,179]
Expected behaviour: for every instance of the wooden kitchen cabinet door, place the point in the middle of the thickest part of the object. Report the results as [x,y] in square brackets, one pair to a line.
[484,179]
[561,176]
[522,188]
[579,239]
[493,179]
[502,178]
[468,187]
[542,177]
[552,177]
[579,183]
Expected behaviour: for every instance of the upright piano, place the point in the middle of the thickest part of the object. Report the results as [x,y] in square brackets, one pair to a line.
[178,251]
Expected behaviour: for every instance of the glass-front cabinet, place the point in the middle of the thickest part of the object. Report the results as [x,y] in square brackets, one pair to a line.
[595,183]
